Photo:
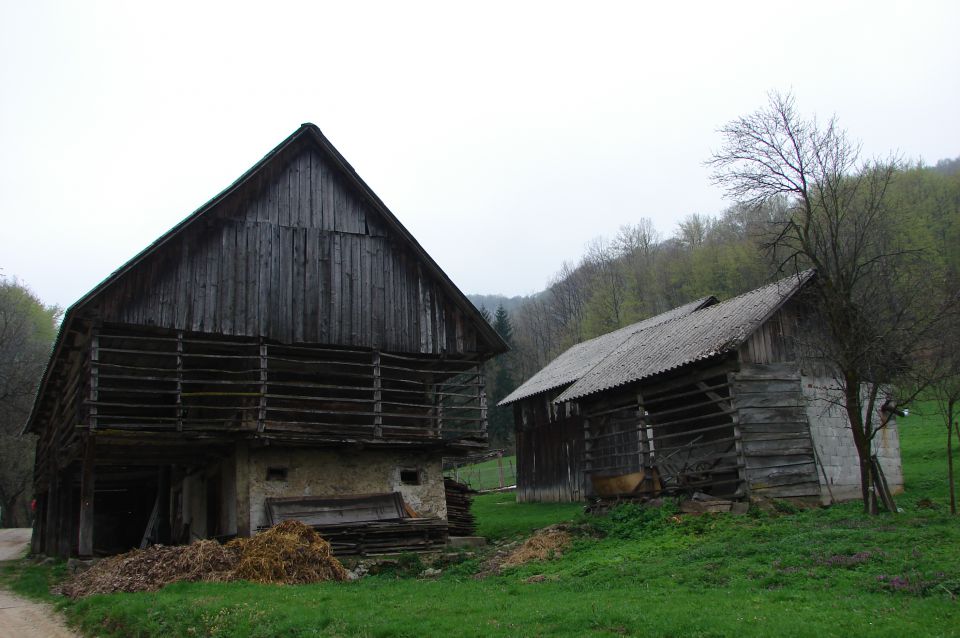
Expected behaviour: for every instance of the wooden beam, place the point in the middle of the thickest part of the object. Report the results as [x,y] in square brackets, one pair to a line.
[482,398]
[242,462]
[52,510]
[39,520]
[94,377]
[66,529]
[262,412]
[179,381]
[163,509]
[377,396]
[87,491]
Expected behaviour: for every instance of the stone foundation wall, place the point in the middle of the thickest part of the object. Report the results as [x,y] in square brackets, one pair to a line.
[329,472]
[838,465]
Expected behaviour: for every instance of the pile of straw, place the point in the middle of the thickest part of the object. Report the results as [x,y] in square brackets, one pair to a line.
[152,568]
[287,553]
[546,544]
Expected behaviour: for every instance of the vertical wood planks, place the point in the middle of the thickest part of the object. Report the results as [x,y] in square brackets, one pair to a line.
[298,256]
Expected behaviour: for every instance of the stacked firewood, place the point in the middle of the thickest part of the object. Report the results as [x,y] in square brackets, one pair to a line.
[459,517]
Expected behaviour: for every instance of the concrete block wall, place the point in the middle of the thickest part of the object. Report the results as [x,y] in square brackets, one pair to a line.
[838,465]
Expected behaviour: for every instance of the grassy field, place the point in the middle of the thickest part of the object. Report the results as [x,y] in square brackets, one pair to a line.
[822,572]
[486,475]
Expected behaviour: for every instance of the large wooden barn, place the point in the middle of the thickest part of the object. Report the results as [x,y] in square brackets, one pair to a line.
[289,349]
[711,397]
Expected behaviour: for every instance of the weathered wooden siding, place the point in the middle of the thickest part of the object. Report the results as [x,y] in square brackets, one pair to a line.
[679,427]
[549,455]
[297,257]
[775,340]
[774,431]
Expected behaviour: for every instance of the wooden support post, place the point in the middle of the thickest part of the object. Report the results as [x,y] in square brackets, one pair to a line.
[94,378]
[262,412]
[163,507]
[39,523]
[51,512]
[87,491]
[482,399]
[179,380]
[35,540]
[500,466]
[587,446]
[377,396]
[744,488]
[242,460]
[67,528]
[438,410]
[645,441]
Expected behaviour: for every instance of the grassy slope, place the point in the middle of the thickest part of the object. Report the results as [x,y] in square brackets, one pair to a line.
[486,475]
[830,572]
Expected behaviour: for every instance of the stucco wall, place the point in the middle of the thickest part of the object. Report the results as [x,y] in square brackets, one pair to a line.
[328,472]
[193,488]
[839,469]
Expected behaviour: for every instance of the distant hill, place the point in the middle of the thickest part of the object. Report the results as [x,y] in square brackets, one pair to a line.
[948,166]
[490,302]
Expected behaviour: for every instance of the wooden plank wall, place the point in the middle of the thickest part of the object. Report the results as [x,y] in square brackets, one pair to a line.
[151,381]
[775,340]
[774,431]
[549,455]
[299,258]
[681,424]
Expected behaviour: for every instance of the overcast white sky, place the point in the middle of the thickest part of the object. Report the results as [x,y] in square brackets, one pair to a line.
[503,135]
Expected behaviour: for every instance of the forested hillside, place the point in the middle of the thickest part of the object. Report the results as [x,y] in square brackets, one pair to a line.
[641,272]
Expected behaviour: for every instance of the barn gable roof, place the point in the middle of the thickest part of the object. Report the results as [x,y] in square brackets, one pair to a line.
[308,135]
[306,138]
[692,337]
[578,360]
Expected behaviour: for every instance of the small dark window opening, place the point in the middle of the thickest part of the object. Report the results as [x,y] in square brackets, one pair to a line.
[410,477]
[276,474]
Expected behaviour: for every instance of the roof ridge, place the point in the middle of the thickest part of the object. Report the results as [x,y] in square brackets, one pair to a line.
[628,332]
[741,331]
[311,134]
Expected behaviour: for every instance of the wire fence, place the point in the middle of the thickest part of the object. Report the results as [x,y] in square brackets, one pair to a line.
[491,471]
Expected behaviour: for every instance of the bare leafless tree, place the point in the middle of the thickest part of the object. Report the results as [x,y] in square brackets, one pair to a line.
[878,298]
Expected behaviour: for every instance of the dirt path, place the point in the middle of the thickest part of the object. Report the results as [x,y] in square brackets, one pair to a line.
[21,618]
[14,542]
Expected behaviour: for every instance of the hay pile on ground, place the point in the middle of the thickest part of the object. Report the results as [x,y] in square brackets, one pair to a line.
[287,553]
[152,568]
[546,544]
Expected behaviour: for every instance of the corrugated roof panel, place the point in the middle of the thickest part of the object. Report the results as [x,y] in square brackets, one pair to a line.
[578,360]
[683,340]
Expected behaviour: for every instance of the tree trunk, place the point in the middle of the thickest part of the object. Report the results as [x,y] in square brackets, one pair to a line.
[854,410]
[953,498]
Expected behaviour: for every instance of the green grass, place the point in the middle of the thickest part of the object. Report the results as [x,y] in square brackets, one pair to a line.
[486,475]
[499,516]
[822,572]
[32,581]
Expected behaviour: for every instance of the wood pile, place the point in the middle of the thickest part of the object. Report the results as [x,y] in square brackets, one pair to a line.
[459,517]
[385,537]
